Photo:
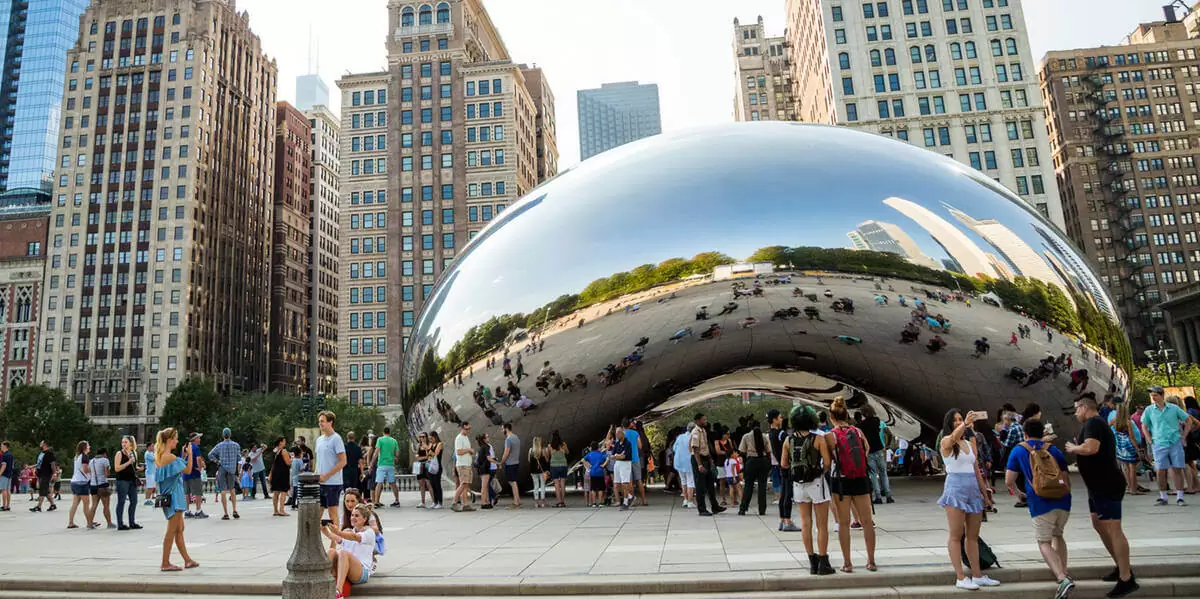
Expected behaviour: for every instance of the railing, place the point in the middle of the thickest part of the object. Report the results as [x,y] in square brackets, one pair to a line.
[406,482]
[433,29]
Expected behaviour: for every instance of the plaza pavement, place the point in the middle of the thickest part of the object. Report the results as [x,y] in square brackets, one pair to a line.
[579,542]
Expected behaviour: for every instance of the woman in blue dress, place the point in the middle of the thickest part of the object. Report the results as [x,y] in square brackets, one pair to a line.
[168,474]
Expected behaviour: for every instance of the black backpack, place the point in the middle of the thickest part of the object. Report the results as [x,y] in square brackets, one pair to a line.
[987,558]
[805,458]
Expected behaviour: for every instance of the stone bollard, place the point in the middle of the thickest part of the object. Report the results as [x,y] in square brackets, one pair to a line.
[308,574]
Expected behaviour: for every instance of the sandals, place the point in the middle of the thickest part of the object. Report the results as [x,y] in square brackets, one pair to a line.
[236,516]
[847,569]
[872,567]
[171,568]
[72,526]
[191,564]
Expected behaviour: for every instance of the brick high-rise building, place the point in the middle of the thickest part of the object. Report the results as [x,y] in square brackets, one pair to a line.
[952,76]
[432,150]
[762,75]
[22,262]
[289,252]
[161,217]
[324,245]
[1121,130]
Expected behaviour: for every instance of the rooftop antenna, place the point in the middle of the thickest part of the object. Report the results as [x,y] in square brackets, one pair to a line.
[309,65]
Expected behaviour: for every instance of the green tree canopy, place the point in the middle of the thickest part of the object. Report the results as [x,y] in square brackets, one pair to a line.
[35,413]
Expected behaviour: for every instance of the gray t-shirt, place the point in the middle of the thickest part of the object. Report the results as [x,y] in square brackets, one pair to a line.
[328,449]
[512,444]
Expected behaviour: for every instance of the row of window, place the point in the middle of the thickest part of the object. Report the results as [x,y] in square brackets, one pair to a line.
[442,44]
[368,245]
[425,69]
[367,120]
[368,220]
[483,213]
[445,114]
[368,270]
[426,92]
[909,7]
[425,14]
[486,133]
[369,371]
[368,320]
[368,345]
[929,105]
[484,157]
[485,110]
[406,217]
[406,139]
[370,397]
[368,197]
[368,97]
[484,87]
[371,166]
[368,143]
[368,295]
[406,242]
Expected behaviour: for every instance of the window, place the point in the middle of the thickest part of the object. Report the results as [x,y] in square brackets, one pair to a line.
[914,53]
[883,109]
[851,111]
[872,34]
[989,159]
[889,56]
[956,51]
[997,48]
[898,107]
[868,11]
[844,60]
[930,53]
[1010,46]
[970,49]
[848,86]
[837,14]
[951,26]
[930,139]
[839,36]
[876,59]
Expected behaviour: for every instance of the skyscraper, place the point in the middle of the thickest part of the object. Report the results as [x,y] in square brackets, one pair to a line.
[311,91]
[888,237]
[547,123]
[34,39]
[954,77]
[162,214]
[762,79]
[1025,261]
[972,260]
[324,246]
[616,114]
[1121,130]
[291,231]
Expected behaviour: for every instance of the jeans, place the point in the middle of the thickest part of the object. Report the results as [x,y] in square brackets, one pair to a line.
[126,491]
[757,469]
[706,482]
[539,486]
[776,479]
[259,477]
[785,495]
[435,488]
[877,472]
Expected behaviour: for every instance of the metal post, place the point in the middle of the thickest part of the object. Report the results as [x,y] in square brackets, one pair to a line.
[308,569]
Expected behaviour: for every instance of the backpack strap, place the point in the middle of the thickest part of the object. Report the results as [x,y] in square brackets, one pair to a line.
[1027,446]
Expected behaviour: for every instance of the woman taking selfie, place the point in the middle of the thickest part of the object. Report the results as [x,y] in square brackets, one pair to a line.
[962,496]
[354,560]
[169,471]
[126,468]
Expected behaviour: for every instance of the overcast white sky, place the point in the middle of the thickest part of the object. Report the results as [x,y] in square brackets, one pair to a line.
[685,46]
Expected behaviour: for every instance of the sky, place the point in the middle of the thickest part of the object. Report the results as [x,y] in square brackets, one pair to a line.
[685,46]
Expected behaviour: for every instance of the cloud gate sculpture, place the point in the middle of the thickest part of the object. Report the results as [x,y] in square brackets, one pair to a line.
[755,260]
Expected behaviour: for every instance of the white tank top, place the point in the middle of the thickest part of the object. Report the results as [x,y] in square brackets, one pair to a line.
[963,464]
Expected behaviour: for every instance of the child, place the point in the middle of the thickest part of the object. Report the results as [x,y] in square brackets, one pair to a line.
[27,477]
[297,468]
[596,460]
[733,472]
[247,481]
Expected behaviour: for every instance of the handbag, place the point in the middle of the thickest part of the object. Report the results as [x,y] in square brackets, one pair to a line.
[162,500]
[434,466]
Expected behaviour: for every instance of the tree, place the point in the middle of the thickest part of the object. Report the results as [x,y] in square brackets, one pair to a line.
[195,406]
[36,413]
[775,254]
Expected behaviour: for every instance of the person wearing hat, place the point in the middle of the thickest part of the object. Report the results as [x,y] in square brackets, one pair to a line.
[226,454]
[1164,427]
[192,485]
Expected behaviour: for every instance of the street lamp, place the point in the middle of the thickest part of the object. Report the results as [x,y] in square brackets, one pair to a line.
[1164,358]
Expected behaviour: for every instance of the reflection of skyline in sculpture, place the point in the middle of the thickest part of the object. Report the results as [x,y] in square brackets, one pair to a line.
[888,237]
[1063,258]
[957,245]
[1025,261]
[857,239]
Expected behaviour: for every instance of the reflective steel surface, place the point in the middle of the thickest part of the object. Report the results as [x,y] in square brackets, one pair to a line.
[634,242]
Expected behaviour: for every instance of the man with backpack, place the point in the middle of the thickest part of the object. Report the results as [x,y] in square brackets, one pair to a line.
[1048,493]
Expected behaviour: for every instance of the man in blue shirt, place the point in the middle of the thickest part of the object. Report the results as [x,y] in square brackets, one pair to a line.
[226,454]
[635,446]
[1164,426]
[193,485]
[1049,515]
[596,460]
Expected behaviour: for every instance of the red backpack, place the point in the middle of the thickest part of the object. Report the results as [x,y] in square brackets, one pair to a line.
[850,455]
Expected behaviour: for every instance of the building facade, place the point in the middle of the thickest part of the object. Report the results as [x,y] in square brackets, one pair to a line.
[324,247]
[364,293]
[762,77]
[615,114]
[22,263]
[1120,128]
[291,232]
[546,124]
[35,37]
[160,236]
[311,91]
[952,76]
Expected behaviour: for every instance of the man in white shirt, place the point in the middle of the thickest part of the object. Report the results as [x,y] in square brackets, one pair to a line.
[331,458]
[464,456]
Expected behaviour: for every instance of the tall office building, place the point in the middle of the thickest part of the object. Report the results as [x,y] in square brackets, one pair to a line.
[971,260]
[888,237]
[22,263]
[616,114]
[364,294]
[160,234]
[324,247]
[34,38]
[1020,258]
[311,91]
[546,125]
[952,76]
[762,78]
[289,252]
[1120,121]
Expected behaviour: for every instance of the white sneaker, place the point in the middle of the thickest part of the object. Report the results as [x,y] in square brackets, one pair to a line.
[436,506]
[967,584]
[420,505]
[985,581]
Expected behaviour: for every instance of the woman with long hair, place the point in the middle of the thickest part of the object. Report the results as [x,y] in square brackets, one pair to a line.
[962,496]
[756,447]
[557,454]
[354,559]
[280,477]
[849,484]
[1128,438]
[81,487]
[421,469]
[539,471]
[483,469]
[169,471]
[804,464]
[126,467]
[434,466]
[101,489]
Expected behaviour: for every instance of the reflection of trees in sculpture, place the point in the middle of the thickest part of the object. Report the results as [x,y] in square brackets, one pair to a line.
[648,275]
[859,262]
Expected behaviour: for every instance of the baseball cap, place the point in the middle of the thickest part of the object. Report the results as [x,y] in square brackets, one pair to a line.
[225,432]
[1158,390]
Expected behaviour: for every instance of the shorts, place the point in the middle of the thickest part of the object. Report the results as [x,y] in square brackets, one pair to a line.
[466,475]
[511,472]
[815,491]
[226,480]
[850,487]
[385,474]
[1104,508]
[1050,525]
[150,482]
[366,575]
[687,480]
[637,472]
[5,483]
[330,495]
[622,472]
[81,489]
[597,483]
[1170,456]
[43,485]
[194,487]
[558,472]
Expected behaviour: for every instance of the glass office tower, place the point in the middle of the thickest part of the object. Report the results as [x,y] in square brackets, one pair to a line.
[36,36]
